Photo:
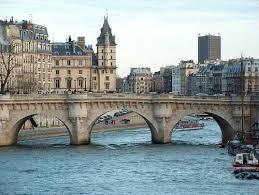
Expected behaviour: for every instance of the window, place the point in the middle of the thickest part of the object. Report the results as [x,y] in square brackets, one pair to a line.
[102,57]
[68,71]
[107,78]
[80,83]
[68,62]
[111,71]
[111,57]
[57,71]
[102,50]
[80,71]
[249,68]
[103,71]
[107,86]
[111,50]
[95,71]
[111,63]
[69,83]
[80,62]
[57,83]
[57,62]
[94,78]
[256,69]
[102,63]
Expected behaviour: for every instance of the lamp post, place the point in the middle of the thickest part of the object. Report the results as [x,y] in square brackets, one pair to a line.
[85,84]
[75,85]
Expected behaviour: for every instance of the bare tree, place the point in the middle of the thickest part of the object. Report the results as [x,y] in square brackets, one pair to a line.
[7,55]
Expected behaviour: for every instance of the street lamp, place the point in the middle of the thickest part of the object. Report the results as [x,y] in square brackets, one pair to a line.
[75,85]
[85,84]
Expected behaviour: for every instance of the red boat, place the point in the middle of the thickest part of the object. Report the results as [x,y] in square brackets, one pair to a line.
[246,162]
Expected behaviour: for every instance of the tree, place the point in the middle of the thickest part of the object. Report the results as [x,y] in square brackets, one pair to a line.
[7,55]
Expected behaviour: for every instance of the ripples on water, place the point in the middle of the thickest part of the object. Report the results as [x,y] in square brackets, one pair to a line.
[122,162]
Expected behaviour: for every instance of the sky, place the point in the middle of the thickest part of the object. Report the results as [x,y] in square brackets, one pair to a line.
[149,33]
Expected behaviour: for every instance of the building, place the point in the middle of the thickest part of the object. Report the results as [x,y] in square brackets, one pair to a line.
[209,48]
[186,68]
[72,65]
[32,56]
[176,80]
[158,82]
[77,68]
[231,76]
[207,80]
[167,79]
[139,81]
[104,72]
[119,84]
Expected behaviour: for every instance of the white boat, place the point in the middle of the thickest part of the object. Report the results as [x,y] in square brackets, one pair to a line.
[189,123]
[246,162]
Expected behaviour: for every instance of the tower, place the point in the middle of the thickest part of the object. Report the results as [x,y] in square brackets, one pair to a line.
[209,48]
[106,59]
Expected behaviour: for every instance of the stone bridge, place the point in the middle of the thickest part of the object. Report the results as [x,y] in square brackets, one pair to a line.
[79,112]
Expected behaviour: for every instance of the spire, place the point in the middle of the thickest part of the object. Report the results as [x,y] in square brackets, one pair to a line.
[106,29]
[106,14]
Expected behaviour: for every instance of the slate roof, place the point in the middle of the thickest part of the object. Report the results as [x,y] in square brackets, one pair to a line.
[69,49]
[104,30]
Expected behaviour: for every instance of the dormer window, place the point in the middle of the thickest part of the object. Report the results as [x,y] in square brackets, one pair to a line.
[56,53]
[66,47]
[67,53]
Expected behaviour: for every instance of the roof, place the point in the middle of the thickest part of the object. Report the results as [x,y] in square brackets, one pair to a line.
[69,49]
[106,31]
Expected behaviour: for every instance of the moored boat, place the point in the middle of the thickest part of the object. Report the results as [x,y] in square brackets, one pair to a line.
[246,162]
[189,123]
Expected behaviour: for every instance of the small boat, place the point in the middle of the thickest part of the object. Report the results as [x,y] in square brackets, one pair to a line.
[189,123]
[246,162]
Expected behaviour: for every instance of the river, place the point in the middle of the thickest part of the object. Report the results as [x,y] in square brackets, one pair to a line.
[123,162]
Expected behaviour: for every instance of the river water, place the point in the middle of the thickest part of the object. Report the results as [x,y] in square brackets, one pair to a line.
[123,162]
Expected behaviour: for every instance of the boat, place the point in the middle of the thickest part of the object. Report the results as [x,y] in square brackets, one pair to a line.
[189,123]
[246,162]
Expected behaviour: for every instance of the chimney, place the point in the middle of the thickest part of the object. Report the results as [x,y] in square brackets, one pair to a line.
[81,42]
[69,39]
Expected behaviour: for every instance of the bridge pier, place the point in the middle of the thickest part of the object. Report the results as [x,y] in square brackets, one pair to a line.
[162,133]
[6,138]
[80,131]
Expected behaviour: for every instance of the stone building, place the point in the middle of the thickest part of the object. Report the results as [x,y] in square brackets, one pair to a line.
[158,82]
[167,78]
[207,80]
[186,68]
[72,66]
[176,80]
[78,68]
[231,76]
[139,81]
[119,84]
[32,54]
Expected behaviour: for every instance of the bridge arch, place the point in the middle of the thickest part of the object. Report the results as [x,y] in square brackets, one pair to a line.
[147,117]
[224,121]
[17,121]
